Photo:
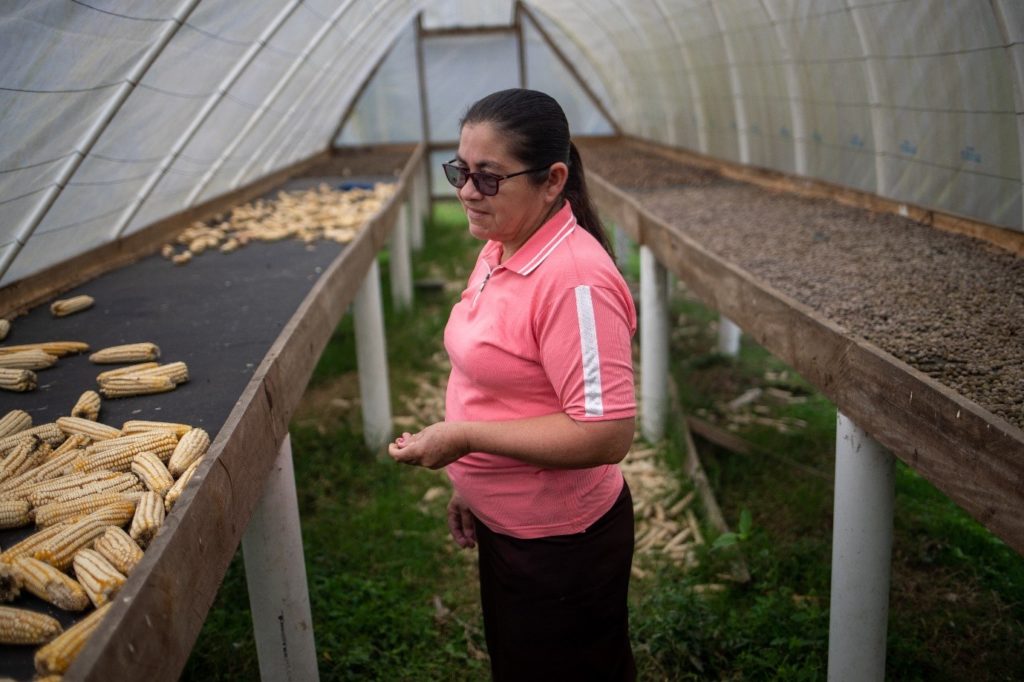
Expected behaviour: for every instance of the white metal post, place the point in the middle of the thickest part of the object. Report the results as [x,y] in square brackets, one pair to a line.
[861,556]
[276,575]
[372,360]
[728,337]
[399,262]
[653,346]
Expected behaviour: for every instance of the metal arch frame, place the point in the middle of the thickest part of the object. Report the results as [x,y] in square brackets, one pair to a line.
[735,86]
[1002,21]
[667,101]
[93,134]
[873,79]
[584,50]
[265,105]
[204,113]
[292,142]
[695,92]
[795,90]
[287,117]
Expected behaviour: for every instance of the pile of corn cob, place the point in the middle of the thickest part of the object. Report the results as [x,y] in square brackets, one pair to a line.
[144,377]
[82,483]
[320,213]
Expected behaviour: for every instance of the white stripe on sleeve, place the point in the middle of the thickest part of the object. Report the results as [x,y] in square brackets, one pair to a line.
[593,403]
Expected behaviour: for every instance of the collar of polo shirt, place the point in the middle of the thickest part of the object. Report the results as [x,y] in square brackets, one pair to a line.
[538,247]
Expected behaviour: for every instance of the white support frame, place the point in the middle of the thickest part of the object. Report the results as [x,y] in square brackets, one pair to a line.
[372,360]
[400,261]
[417,205]
[861,555]
[276,575]
[653,346]
[729,334]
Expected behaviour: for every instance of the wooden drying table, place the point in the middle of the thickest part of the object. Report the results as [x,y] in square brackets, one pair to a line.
[914,334]
[251,326]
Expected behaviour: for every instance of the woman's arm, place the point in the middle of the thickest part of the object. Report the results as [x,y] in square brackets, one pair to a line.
[554,441]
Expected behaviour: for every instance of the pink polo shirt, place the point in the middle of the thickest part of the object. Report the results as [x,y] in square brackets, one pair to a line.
[546,331]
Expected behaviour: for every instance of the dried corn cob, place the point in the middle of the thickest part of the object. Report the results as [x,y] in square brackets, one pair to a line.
[119,549]
[15,421]
[175,371]
[181,258]
[179,486]
[5,328]
[152,472]
[191,447]
[71,510]
[120,459]
[43,492]
[139,426]
[51,585]
[59,550]
[24,457]
[149,516]
[29,545]
[14,513]
[76,441]
[88,406]
[100,580]
[71,305]
[10,582]
[58,348]
[28,359]
[160,443]
[121,371]
[122,483]
[129,352]
[86,427]
[57,656]
[17,380]
[47,432]
[21,626]
[133,385]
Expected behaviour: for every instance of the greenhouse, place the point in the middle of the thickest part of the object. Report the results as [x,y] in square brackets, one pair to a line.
[231,237]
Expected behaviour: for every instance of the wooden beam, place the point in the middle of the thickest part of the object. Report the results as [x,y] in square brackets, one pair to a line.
[517,24]
[34,289]
[526,11]
[463,31]
[973,456]
[421,80]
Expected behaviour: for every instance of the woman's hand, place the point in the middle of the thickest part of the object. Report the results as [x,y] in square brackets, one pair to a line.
[461,523]
[434,447]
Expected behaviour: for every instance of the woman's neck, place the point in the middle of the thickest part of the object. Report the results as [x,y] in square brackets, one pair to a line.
[509,249]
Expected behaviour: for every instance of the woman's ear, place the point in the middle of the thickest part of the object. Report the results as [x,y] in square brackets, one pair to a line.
[558,174]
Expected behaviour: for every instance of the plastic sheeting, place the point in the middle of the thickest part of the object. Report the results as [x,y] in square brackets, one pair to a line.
[117,113]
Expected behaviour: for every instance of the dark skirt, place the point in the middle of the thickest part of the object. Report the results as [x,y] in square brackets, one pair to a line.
[555,608]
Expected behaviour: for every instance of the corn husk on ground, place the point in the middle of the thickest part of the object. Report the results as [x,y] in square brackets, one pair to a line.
[83,485]
[310,215]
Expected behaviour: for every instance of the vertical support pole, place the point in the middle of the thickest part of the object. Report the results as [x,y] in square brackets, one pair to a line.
[399,260]
[372,361]
[861,556]
[653,346]
[276,575]
[728,337]
[416,210]
[621,243]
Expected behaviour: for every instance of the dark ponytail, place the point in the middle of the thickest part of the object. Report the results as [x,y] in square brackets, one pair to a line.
[538,135]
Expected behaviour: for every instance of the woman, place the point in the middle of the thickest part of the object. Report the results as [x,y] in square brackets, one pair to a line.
[540,405]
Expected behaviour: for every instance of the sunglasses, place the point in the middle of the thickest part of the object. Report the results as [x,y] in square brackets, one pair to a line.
[485,183]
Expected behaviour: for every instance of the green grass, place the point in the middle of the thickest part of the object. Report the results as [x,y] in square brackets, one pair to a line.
[378,559]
